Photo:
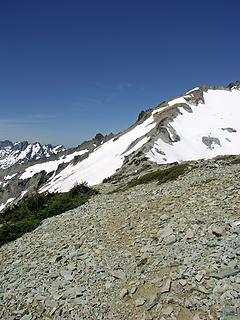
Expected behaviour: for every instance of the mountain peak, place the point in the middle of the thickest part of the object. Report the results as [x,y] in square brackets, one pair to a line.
[5,144]
[23,151]
[234,85]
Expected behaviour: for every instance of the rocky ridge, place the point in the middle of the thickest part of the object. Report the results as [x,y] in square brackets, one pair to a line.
[168,251]
[200,124]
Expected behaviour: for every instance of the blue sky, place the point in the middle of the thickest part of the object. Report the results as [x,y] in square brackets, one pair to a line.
[70,69]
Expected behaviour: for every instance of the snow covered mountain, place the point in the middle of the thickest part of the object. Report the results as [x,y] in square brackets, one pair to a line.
[201,124]
[17,158]
[20,152]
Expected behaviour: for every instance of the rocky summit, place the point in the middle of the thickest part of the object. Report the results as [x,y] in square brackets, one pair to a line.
[151,251]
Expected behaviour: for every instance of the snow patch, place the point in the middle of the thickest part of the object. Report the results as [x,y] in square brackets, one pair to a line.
[3,205]
[194,89]
[10,177]
[177,100]
[103,162]
[220,110]
[50,166]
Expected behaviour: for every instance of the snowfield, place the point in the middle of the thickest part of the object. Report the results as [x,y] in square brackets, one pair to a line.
[50,166]
[103,162]
[220,111]
[3,205]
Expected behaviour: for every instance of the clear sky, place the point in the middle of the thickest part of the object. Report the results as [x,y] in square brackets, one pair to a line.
[72,68]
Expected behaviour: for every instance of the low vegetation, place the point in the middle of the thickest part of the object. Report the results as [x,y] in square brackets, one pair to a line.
[107,180]
[162,175]
[236,161]
[29,213]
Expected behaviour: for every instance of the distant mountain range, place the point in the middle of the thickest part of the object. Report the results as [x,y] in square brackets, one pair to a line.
[20,152]
[200,124]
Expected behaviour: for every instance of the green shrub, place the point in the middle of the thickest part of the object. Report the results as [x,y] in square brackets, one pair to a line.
[162,175]
[80,189]
[106,180]
[236,161]
[12,231]
[29,213]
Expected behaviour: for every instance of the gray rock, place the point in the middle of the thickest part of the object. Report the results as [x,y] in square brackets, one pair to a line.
[66,274]
[26,317]
[167,310]
[109,285]
[123,293]
[118,274]
[171,239]
[224,273]
[185,314]
[142,262]
[166,232]
[157,282]
[164,217]
[183,282]
[218,231]
[133,289]
[139,302]
[199,276]
[166,286]
[189,234]
[152,301]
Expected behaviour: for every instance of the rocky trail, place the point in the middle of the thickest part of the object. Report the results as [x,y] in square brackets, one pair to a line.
[168,251]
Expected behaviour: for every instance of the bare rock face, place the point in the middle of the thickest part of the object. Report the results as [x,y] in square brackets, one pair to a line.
[234,85]
[143,115]
[210,141]
[98,140]
[6,144]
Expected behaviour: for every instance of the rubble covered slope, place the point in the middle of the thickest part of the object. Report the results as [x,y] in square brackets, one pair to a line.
[154,251]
